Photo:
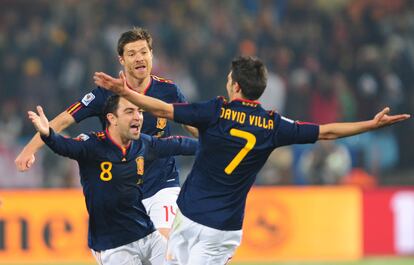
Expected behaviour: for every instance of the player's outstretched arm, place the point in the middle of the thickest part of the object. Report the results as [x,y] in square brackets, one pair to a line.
[333,131]
[26,158]
[155,106]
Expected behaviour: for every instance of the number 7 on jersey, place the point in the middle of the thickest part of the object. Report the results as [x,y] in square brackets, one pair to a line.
[251,141]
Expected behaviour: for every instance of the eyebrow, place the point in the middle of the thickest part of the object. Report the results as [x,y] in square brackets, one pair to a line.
[129,109]
[134,50]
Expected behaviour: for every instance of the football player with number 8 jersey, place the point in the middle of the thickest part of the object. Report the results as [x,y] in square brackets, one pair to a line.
[112,166]
[161,180]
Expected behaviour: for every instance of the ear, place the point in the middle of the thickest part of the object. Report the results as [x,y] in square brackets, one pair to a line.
[236,87]
[121,60]
[111,118]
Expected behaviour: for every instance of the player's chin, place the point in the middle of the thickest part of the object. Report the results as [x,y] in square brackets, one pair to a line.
[134,134]
[141,73]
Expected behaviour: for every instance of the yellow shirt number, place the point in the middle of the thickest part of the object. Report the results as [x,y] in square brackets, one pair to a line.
[106,174]
[251,141]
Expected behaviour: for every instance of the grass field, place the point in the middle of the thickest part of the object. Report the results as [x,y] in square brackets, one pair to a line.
[371,261]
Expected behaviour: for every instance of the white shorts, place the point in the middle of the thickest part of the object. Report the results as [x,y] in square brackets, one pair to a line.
[162,207]
[149,250]
[191,243]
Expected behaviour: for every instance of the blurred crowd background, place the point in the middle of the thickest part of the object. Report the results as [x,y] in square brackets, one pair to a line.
[328,61]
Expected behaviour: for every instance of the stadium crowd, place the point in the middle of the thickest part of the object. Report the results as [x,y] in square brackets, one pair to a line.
[327,60]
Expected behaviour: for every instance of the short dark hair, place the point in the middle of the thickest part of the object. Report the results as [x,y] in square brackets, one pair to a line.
[131,36]
[251,75]
[111,106]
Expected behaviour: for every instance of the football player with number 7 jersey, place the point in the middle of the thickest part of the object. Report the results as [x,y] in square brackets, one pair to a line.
[236,138]
[112,166]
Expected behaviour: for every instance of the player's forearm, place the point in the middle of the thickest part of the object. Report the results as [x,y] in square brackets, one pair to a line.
[63,146]
[155,106]
[333,131]
[34,145]
[62,121]
[187,146]
[175,145]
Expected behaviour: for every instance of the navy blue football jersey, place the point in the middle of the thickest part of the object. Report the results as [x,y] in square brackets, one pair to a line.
[112,177]
[235,139]
[162,173]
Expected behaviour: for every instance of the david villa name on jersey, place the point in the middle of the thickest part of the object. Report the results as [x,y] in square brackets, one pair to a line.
[241,117]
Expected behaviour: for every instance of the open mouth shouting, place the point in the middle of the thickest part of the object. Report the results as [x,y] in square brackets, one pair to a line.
[135,128]
[141,69]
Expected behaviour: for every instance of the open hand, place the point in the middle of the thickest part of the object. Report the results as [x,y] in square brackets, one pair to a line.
[116,85]
[383,119]
[39,121]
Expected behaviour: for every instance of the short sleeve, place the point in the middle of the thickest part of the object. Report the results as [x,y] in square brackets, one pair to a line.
[199,115]
[295,132]
[180,97]
[90,105]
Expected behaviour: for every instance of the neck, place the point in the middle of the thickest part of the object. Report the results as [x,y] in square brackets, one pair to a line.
[117,138]
[235,95]
[138,85]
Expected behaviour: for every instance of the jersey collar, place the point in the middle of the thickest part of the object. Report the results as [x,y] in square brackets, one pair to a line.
[123,149]
[246,100]
[146,89]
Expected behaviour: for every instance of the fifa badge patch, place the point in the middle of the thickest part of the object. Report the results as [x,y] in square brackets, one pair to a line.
[88,98]
[161,123]
[140,165]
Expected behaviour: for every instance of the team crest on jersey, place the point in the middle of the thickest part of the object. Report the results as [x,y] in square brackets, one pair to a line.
[161,123]
[140,165]
[82,137]
[100,135]
[88,99]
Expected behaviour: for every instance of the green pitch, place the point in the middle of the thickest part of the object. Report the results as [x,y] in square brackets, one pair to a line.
[371,261]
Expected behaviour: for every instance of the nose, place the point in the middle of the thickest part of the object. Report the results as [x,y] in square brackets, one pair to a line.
[138,57]
[138,115]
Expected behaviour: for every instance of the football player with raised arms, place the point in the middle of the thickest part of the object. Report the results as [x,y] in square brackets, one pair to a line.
[161,183]
[112,165]
[236,137]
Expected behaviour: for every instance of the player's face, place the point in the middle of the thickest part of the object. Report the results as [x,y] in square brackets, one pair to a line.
[129,120]
[137,59]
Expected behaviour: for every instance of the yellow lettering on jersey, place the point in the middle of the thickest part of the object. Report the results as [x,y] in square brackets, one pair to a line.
[261,122]
[251,119]
[271,124]
[227,114]
[140,165]
[249,104]
[232,115]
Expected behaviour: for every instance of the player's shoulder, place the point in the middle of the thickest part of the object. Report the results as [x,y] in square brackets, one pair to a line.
[164,82]
[98,93]
[221,99]
[145,137]
[273,113]
[93,136]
